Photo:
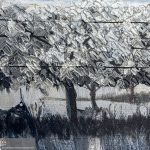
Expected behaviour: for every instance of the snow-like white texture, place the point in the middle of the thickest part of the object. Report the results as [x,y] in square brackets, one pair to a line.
[118,109]
[56,104]
[8,100]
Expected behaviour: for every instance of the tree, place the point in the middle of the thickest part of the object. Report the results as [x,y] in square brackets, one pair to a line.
[28,59]
[53,49]
[98,47]
[136,37]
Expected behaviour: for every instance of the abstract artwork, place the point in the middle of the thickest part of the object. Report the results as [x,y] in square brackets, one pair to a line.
[75,74]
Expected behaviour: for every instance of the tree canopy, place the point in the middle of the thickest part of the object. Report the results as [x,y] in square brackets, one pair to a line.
[98,41]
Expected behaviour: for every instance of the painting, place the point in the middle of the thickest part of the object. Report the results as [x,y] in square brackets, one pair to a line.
[75,74]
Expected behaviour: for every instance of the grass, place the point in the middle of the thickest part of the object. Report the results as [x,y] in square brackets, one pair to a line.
[60,126]
[137,127]
[14,124]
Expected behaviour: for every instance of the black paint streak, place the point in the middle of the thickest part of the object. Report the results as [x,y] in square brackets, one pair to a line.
[5,82]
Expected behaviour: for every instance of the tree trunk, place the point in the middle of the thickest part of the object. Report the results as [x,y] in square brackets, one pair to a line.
[71,101]
[93,96]
[132,96]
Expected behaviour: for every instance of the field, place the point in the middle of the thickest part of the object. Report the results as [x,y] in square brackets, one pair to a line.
[126,129]
[118,109]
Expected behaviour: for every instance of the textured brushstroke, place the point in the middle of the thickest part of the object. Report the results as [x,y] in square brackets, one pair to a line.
[92,45]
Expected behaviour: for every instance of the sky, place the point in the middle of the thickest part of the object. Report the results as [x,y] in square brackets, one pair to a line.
[67,2]
[136,2]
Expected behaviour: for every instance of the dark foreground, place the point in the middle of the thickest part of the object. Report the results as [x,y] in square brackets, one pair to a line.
[54,131]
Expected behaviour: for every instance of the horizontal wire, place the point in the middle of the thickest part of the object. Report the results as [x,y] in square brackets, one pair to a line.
[141,48]
[5,36]
[134,22]
[24,66]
